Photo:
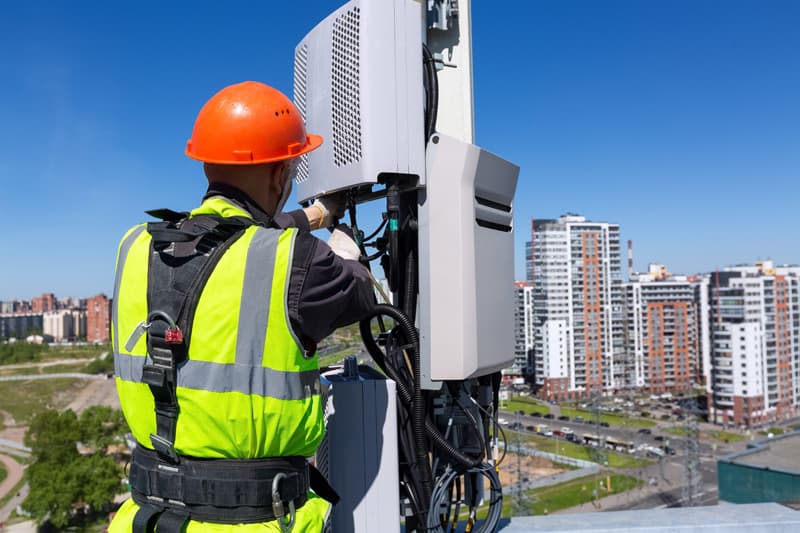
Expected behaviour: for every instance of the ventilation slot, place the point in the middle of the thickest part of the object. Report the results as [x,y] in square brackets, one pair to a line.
[300,83]
[345,98]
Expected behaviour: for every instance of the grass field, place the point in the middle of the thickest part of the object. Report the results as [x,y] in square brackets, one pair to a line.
[89,351]
[722,436]
[23,399]
[335,357]
[577,451]
[578,491]
[726,436]
[676,430]
[550,499]
[613,420]
[527,405]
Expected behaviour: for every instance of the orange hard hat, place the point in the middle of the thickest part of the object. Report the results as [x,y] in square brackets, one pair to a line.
[249,123]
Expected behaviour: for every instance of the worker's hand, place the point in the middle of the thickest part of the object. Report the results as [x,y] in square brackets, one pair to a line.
[332,208]
[343,244]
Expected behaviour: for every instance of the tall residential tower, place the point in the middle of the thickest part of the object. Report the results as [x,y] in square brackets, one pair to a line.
[755,358]
[661,317]
[574,268]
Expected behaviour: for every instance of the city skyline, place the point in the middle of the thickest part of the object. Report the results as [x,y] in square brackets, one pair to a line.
[677,121]
[641,266]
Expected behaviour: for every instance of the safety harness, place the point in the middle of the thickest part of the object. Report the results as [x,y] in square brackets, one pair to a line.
[169,488]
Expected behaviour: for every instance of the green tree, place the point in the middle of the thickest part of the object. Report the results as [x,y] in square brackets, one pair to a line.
[53,436]
[59,477]
[21,352]
[101,426]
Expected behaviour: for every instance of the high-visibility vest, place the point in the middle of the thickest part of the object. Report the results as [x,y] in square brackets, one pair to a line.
[247,389]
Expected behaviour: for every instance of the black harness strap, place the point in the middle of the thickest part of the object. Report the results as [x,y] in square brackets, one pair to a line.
[171,521]
[144,521]
[231,491]
[183,255]
[321,487]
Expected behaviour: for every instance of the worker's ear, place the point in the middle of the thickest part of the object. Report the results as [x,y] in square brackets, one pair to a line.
[276,177]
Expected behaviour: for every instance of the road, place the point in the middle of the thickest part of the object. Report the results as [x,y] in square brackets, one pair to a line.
[15,473]
[663,481]
[53,362]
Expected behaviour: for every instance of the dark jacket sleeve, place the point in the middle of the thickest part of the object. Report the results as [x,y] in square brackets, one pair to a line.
[326,292]
[292,219]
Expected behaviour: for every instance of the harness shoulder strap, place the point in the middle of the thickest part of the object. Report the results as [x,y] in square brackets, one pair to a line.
[183,255]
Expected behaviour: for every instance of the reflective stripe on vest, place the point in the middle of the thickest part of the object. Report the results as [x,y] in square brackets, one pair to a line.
[246,389]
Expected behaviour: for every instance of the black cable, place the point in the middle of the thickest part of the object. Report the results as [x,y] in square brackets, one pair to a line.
[410,300]
[431,91]
[497,427]
[405,395]
[375,256]
[354,228]
[374,233]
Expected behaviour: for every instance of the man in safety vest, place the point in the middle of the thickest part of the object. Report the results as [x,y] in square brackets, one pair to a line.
[215,321]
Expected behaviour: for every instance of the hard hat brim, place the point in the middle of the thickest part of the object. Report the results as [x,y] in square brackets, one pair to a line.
[312,143]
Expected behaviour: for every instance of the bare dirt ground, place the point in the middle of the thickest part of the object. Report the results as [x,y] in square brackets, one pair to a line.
[530,467]
[96,392]
[11,431]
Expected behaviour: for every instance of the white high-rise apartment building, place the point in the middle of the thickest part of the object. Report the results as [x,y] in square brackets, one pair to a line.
[59,324]
[523,329]
[755,340]
[574,268]
[661,316]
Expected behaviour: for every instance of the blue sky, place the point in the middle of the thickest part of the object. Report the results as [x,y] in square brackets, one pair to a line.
[679,120]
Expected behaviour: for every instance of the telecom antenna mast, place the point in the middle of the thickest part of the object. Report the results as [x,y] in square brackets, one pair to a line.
[388,84]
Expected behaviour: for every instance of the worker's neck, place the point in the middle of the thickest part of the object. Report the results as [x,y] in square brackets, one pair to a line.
[252,180]
[241,197]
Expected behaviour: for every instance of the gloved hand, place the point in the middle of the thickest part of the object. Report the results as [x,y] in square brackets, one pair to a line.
[343,244]
[332,208]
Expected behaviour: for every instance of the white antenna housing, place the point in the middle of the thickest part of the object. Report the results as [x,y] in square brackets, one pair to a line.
[358,83]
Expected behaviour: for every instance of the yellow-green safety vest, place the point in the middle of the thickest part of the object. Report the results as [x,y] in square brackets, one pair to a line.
[247,389]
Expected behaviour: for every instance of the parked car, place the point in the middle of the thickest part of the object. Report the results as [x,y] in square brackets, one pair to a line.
[535,413]
[549,416]
[659,438]
[572,437]
[578,419]
[530,428]
[644,431]
[669,449]
[604,424]
[564,417]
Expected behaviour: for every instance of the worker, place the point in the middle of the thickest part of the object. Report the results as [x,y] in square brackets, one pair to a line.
[216,317]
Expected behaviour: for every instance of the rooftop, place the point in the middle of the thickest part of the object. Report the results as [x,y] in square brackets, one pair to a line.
[754,517]
[778,453]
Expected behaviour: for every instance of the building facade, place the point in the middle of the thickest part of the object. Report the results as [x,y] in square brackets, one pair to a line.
[98,318]
[60,325]
[662,332]
[755,350]
[574,268]
[20,325]
[44,303]
[523,330]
